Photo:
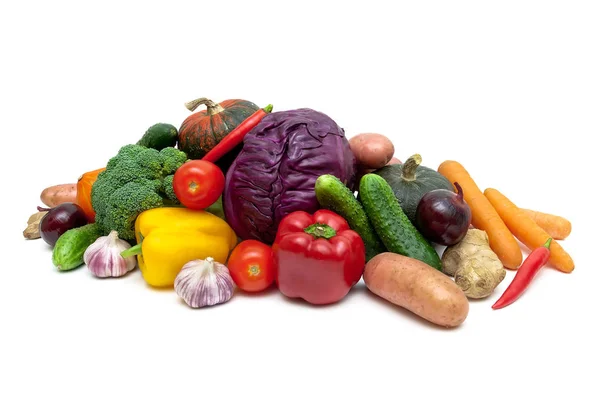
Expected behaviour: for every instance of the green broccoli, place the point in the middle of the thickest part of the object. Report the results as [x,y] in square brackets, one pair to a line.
[173,160]
[168,188]
[135,180]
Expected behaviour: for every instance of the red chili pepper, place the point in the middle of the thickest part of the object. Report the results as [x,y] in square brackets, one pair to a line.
[525,274]
[236,136]
[317,257]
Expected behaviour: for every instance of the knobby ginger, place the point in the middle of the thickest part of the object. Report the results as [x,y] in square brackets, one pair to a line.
[476,269]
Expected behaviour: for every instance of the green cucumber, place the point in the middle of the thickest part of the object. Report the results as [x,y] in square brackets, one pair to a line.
[333,195]
[70,246]
[159,136]
[391,223]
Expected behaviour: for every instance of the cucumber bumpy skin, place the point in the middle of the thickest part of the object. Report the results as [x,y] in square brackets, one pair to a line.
[70,246]
[159,136]
[333,195]
[392,225]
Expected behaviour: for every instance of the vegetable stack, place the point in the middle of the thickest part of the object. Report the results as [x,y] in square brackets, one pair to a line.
[241,198]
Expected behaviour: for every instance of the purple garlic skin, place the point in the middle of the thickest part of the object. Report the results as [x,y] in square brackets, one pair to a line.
[202,283]
[103,257]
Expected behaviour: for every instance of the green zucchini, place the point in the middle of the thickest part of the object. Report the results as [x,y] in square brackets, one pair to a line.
[391,223]
[159,136]
[70,246]
[333,195]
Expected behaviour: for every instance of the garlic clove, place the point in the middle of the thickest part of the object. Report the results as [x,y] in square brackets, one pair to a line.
[103,257]
[203,283]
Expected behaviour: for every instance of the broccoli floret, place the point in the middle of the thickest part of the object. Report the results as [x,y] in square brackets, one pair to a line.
[172,159]
[101,191]
[168,188]
[126,152]
[135,180]
[126,203]
[152,161]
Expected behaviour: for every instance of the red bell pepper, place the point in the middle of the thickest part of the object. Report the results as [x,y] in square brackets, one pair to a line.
[317,257]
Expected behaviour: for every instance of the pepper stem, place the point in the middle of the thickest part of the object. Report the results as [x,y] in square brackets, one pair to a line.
[212,108]
[459,191]
[409,168]
[132,251]
[547,244]
[268,108]
[320,231]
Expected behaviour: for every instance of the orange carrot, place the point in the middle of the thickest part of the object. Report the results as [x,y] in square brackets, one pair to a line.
[527,231]
[484,216]
[557,227]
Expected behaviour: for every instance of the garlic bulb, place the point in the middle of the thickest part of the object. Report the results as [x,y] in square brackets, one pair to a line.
[103,257]
[204,283]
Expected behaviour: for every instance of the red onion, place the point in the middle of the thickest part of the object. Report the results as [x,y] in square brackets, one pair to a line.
[60,219]
[443,216]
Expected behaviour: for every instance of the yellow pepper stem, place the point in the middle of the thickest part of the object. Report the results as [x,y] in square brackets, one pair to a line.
[132,251]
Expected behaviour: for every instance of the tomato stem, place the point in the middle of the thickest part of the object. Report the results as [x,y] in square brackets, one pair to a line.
[253,270]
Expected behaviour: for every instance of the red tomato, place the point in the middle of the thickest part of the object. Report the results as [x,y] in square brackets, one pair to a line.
[198,184]
[251,266]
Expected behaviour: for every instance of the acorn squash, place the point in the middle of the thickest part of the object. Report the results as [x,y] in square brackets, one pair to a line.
[410,181]
[203,130]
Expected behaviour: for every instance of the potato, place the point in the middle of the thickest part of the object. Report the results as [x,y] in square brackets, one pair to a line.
[58,194]
[416,286]
[393,161]
[372,150]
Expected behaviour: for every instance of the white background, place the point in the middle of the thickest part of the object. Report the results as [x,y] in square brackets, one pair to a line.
[511,89]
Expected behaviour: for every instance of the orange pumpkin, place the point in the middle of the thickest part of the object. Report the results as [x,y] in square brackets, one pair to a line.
[84,192]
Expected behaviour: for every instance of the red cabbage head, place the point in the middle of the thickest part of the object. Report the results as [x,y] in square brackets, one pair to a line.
[276,170]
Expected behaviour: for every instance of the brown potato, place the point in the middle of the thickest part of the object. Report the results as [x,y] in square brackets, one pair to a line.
[372,150]
[58,194]
[419,288]
[394,160]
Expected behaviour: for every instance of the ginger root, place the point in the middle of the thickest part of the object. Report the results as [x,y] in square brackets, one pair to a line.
[476,269]
[33,226]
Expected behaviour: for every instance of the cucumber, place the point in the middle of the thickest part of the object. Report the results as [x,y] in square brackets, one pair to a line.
[159,136]
[333,195]
[70,246]
[391,223]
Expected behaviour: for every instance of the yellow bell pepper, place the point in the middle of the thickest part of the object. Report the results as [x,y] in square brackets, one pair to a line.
[169,237]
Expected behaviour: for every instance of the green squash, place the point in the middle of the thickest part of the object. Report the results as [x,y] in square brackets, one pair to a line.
[159,136]
[410,181]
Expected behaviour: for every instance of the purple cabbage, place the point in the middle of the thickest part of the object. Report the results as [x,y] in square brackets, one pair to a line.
[276,170]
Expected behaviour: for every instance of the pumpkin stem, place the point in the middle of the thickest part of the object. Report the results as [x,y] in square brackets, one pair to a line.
[212,108]
[409,168]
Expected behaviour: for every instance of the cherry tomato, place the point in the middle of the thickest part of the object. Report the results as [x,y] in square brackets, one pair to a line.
[198,184]
[251,266]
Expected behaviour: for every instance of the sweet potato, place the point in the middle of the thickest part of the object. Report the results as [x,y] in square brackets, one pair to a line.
[393,161]
[372,150]
[417,287]
[58,194]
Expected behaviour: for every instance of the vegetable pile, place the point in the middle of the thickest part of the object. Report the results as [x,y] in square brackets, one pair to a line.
[243,198]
